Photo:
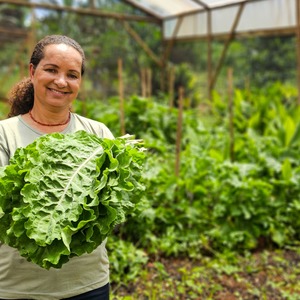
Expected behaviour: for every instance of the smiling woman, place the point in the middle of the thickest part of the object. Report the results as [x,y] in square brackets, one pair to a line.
[55,76]
[56,81]
[41,104]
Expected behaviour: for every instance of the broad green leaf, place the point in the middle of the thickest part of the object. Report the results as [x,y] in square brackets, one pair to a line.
[289,127]
[67,192]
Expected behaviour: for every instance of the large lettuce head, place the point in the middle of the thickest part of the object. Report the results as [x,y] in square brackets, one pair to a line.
[62,195]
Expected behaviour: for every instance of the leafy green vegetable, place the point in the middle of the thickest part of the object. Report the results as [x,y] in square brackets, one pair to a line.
[62,195]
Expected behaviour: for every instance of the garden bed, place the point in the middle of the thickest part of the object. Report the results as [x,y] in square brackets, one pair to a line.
[272,275]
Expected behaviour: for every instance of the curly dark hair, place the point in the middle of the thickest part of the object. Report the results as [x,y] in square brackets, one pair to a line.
[21,96]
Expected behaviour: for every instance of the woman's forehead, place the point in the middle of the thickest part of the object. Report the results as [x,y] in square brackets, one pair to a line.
[61,53]
[61,49]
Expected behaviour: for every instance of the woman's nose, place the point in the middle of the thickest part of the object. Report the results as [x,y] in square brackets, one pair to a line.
[60,81]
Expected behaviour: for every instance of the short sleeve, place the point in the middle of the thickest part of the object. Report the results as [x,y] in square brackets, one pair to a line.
[4,155]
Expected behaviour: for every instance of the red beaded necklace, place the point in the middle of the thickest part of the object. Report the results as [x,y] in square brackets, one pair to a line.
[43,124]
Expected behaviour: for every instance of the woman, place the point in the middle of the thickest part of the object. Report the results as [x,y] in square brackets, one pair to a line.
[40,105]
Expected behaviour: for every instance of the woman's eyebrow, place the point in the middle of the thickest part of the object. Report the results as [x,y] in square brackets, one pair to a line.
[50,65]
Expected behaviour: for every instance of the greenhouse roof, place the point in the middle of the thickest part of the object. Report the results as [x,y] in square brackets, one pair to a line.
[194,19]
[170,8]
[184,19]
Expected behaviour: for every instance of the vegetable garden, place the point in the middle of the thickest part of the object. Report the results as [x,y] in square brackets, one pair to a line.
[220,214]
[223,215]
[236,192]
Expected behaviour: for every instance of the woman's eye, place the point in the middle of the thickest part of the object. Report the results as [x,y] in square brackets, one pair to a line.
[73,76]
[50,70]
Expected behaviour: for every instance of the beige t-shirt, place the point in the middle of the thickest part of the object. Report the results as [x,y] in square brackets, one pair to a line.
[20,279]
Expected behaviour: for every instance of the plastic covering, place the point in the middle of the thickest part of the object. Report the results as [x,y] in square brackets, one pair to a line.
[257,15]
[169,8]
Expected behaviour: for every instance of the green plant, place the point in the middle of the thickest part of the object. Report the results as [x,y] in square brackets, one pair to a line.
[89,184]
[217,203]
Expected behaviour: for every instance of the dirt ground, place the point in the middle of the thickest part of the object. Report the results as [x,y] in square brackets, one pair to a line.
[266,275]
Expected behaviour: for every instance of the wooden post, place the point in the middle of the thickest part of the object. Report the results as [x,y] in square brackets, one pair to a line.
[121,95]
[167,51]
[31,38]
[149,82]
[179,130]
[143,83]
[226,46]
[171,86]
[231,113]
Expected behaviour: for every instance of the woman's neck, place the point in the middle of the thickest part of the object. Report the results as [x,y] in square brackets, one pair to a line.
[48,122]
[52,124]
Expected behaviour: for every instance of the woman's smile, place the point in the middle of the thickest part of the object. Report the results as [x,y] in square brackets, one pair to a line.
[58,92]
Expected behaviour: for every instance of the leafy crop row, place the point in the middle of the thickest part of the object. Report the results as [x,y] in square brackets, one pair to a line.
[216,204]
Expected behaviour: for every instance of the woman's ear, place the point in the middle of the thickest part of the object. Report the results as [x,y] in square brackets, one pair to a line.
[31,70]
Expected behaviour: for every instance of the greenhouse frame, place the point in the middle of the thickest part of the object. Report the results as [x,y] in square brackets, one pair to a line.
[182,20]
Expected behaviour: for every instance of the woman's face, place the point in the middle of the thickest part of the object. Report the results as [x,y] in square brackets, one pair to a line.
[57,77]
